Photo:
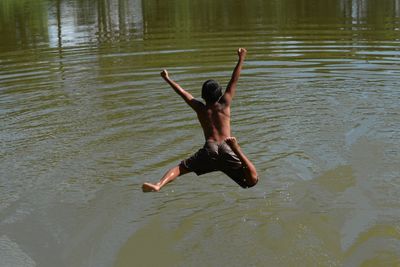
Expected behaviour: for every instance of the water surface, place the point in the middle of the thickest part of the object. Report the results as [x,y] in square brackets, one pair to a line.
[86,119]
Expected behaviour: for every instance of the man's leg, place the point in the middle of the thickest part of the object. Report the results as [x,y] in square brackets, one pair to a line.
[250,171]
[169,176]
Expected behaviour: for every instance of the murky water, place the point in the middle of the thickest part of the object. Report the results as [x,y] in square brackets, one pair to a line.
[86,119]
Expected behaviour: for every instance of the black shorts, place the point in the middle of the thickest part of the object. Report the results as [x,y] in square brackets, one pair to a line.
[216,157]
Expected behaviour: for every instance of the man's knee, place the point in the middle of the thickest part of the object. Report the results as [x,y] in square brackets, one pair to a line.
[252,182]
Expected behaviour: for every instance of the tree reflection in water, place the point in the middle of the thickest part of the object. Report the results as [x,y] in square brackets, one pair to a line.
[67,22]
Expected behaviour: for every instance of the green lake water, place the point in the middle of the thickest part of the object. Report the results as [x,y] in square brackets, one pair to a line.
[86,119]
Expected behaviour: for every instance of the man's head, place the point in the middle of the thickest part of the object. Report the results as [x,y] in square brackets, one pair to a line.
[211,91]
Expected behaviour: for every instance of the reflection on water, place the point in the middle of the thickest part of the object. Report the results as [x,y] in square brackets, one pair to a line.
[69,23]
[85,119]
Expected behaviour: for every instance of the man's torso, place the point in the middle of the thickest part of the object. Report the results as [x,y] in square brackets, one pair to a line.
[215,121]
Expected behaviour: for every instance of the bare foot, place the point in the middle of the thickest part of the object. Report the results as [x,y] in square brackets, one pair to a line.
[148,187]
[232,142]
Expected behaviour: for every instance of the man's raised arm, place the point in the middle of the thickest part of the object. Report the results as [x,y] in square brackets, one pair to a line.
[231,88]
[189,99]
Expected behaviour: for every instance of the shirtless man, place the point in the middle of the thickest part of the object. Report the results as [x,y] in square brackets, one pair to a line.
[221,152]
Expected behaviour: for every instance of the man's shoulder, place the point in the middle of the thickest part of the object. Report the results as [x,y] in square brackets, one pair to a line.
[223,104]
[224,101]
[197,105]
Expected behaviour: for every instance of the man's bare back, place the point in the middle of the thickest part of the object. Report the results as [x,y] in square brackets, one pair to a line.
[221,151]
[215,121]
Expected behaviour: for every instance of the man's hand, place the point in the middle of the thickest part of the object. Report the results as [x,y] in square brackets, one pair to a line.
[164,74]
[242,53]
